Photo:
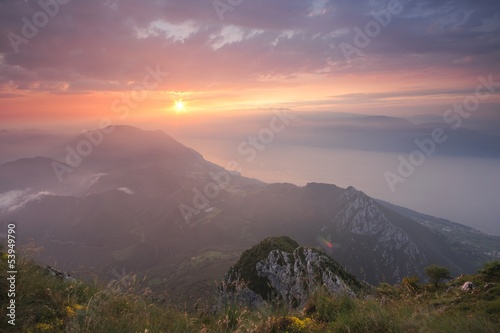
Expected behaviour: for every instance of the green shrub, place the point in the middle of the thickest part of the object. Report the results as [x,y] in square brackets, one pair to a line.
[491,271]
[437,274]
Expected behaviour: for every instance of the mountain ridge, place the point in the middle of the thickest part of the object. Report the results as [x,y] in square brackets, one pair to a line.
[128,216]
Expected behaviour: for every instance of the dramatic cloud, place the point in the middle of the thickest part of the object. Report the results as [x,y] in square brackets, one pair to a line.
[205,46]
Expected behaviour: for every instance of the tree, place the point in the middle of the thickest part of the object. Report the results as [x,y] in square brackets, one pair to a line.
[491,271]
[437,274]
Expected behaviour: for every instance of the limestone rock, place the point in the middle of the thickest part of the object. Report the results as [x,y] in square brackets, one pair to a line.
[288,276]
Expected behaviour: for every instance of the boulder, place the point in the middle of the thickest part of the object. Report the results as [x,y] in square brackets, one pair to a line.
[467,286]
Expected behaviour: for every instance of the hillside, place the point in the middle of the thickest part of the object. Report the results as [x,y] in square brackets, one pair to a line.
[142,203]
[45,303]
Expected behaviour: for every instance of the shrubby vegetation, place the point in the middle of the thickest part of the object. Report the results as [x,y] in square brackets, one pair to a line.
[47,304]
[437,274]
[491,271]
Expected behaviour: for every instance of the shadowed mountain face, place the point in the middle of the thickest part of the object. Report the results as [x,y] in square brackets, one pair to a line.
[141,202]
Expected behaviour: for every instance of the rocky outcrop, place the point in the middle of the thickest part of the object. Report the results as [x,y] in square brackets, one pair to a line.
[285,276]
[392,248]
[467,286]
[58,274]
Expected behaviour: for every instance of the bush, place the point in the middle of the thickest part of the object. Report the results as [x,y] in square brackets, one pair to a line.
[437,274]
[411,283]
[491,271]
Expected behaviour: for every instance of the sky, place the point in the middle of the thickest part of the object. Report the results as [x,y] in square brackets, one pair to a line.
[72,62]
[209,72]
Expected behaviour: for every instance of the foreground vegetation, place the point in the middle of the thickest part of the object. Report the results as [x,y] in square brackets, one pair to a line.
[48,304]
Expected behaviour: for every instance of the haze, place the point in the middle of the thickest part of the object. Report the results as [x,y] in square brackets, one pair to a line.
[361,81]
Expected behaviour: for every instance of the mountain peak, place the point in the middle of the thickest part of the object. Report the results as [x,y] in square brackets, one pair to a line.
[352,189]
[351,193]
[118,143]
[277,269]
[131,131]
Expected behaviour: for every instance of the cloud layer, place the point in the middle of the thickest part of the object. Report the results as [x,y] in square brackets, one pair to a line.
[105,45]
[13,200]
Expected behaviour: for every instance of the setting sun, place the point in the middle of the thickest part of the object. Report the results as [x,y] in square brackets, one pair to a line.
[180,106]
[232,157]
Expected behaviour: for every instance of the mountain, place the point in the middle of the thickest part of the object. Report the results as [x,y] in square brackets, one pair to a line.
[140,202]
[458,236]
[15,144]
[278,270]
[388,134]
[373,242]
[357,132]
[34,172]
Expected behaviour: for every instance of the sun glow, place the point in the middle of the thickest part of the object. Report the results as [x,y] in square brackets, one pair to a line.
[180,106]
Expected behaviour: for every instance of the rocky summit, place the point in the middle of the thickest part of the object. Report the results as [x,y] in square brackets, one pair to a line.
[279,270]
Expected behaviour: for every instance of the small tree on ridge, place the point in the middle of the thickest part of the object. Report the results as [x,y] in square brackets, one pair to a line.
[437,274]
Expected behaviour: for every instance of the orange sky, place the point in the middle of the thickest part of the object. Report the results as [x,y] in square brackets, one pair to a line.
[85,62]
[309,92]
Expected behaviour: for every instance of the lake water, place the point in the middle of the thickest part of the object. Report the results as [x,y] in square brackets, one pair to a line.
[464,190]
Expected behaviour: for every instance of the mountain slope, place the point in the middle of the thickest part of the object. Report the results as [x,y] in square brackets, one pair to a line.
[458,236]
[124,305]
[142,202]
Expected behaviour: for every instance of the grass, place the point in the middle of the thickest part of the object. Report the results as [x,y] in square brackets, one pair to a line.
[48,304]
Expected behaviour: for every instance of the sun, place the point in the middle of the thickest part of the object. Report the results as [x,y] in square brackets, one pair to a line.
[180,106]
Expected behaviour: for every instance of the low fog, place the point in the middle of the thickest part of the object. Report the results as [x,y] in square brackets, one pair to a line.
[432,168]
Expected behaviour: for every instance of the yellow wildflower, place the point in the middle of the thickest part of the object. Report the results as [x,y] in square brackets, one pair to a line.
[70,312]
[79,307]
[300,325]
[44,327]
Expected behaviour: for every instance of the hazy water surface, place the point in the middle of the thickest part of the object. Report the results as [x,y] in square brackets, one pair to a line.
[465,190]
